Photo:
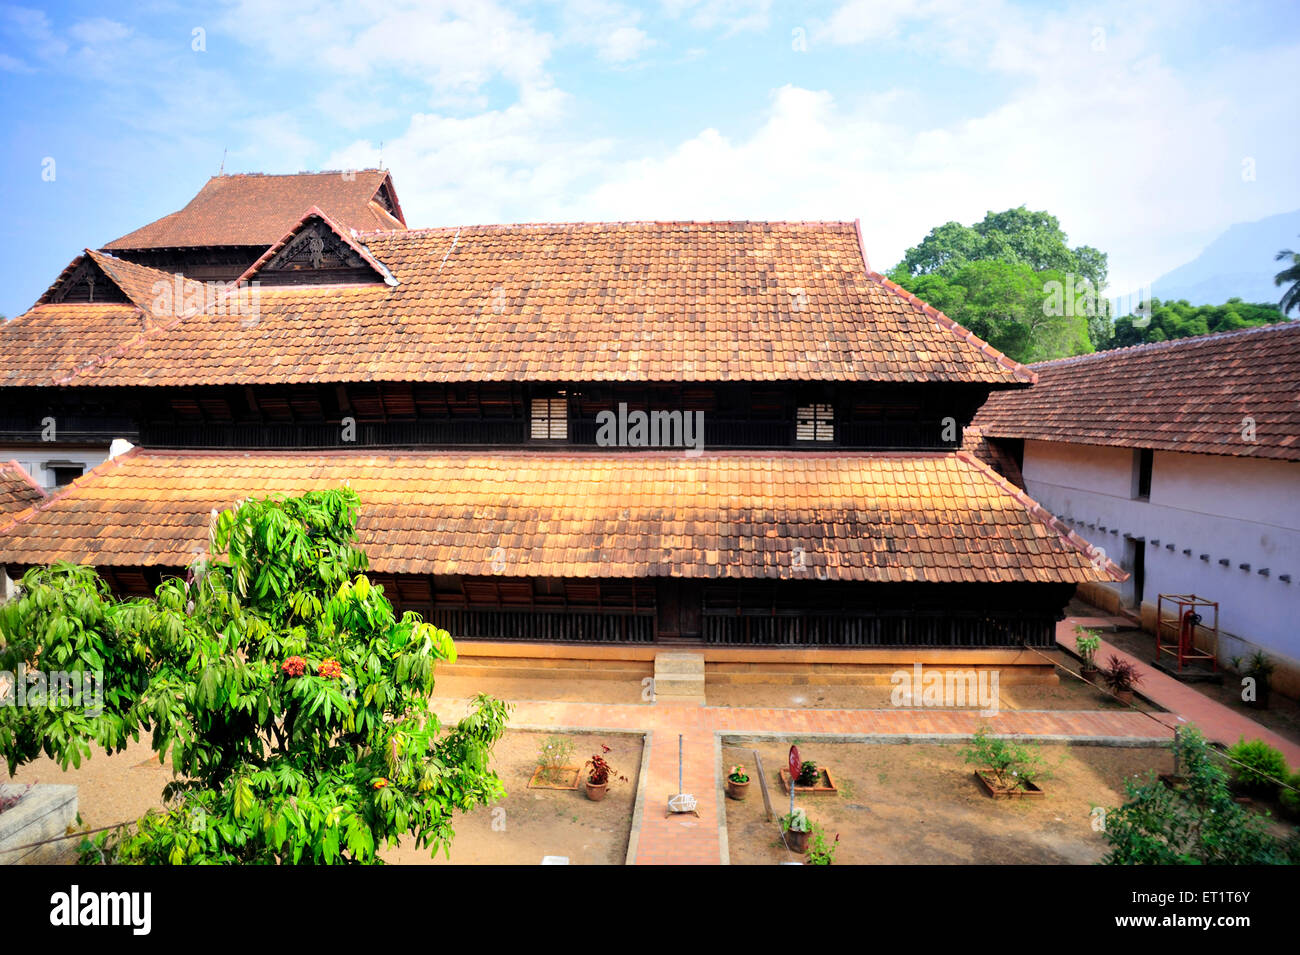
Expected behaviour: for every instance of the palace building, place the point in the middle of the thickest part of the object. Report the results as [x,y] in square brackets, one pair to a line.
[507,402]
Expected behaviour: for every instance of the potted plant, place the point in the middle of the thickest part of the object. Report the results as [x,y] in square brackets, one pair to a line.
[1260,668]
[737,782]
[1121,676]
[1087,642]
[599,776]
[796,827]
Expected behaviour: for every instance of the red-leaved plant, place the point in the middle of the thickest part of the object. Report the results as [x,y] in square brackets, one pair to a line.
[601,771]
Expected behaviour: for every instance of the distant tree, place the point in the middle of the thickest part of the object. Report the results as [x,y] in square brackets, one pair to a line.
[1166,321]
[1291,274]
[1016,237]
[1007,304]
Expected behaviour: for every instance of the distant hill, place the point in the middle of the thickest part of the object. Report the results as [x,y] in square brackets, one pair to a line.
[1238,263]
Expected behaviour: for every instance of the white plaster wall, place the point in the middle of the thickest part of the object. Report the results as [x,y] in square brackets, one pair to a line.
[33,459]
[1240,509]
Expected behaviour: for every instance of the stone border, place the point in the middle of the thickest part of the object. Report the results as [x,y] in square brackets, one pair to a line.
[638,806]
[44,813]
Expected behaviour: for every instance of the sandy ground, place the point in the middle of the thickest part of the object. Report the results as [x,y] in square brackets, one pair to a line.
[1069,694]
[532,823]
[918,804]
[527,825]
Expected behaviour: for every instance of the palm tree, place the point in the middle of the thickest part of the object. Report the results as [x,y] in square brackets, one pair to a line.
[1291,275]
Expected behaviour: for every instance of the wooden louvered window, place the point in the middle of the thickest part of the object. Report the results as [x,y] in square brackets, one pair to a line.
[550,420]
[814,423]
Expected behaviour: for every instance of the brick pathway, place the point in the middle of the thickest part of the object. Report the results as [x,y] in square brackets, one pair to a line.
[1218,722]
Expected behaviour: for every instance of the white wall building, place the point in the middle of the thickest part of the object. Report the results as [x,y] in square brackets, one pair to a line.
[1182,461]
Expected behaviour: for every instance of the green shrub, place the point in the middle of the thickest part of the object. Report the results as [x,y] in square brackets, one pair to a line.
[1195,824]
[1011,765]
[1290,798]
[1256,767]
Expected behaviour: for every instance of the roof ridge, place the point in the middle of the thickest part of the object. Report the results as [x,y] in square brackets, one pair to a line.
[1023,372]
[1053,523]
[1173,342]
[502,226]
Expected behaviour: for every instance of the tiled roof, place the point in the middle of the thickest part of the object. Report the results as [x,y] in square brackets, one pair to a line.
[974,442]
[940,517]
[17,490]
[642,301]
[257,209]
[1207,394]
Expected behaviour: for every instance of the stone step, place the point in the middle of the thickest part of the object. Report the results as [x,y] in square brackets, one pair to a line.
[679,677]
[679,662]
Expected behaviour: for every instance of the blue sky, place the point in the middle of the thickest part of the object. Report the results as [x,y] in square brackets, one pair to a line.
[1146,128]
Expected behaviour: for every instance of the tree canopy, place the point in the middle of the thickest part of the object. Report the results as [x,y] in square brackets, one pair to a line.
[1169,320]
[997,279]
[291,700]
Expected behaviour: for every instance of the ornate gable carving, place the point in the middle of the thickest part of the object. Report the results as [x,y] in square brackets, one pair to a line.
[86,283]
[316,255]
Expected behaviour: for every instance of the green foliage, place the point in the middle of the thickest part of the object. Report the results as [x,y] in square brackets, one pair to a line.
[821,852]
[809,775]
[1256,767]
[1011,306]
[1289,276]
[1087,642]
[1171,320]
[796,821]
[553,754]
[290,699]
[65,620]
[738,775]
[1289,795]
[1012,765]
[1195,824]
[992,277]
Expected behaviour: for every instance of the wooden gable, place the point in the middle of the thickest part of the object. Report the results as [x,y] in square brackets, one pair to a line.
[85,281]
[316,254]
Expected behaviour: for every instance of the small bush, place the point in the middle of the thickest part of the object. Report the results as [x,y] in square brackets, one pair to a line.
[821,852]
[1290,798]
[554,754]
[1257,767]
[809,775]
[1011,765]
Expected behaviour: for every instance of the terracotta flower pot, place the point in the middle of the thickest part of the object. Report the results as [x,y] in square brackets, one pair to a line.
[1089,673]
[1124,696]
[798,841]
[596,791]
[737,790]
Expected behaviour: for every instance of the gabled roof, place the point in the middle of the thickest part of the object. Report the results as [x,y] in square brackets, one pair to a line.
[1211,395]
[621,301]
[938,518]
[256,209]
[277,252]
[18,491]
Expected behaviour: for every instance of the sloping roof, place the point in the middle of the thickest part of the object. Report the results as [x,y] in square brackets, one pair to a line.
[976,443]
[256,209]
[1203,395]
[17,490]
[633,301]
[941,517]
